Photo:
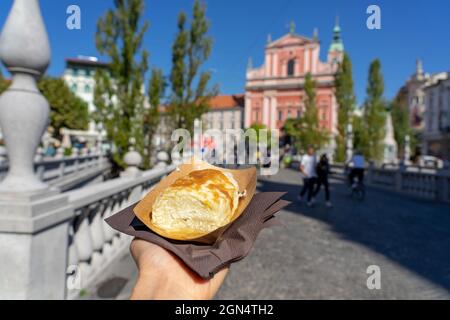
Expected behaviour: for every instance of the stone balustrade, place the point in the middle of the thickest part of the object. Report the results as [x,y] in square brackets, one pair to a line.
[421,182]
[46,233]
[51,168]
[92,244]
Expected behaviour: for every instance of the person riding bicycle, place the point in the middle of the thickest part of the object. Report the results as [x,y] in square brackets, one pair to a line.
[357,167]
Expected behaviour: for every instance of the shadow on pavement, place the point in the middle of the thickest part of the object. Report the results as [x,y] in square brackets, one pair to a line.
[413,233]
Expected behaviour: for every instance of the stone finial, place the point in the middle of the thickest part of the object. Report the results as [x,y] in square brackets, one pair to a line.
[162,158]
[269,38]
[250,64]
[419,69]
[292,27]
[133,160]
[25,51]
[316,34]
[59,153]
[75,152]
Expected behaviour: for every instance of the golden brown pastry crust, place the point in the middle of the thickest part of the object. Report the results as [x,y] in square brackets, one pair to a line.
[198,203]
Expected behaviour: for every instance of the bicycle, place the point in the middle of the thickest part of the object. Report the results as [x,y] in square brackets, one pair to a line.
[358,191]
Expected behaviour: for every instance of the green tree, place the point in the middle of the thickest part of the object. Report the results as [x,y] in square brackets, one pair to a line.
[191,48]
[151,116]
[346,101]
[374,113]
[306,130]
[66,109]
[119,94]
[400,120]
[359,134]
[267,136]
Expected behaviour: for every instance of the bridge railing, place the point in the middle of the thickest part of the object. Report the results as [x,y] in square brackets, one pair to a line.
[421,182]
[92,244]
[50,169]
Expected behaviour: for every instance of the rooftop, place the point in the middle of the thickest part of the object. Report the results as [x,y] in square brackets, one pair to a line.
[83,61]
[227,101]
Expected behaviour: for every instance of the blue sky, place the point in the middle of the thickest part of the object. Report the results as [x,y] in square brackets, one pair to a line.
[410,29]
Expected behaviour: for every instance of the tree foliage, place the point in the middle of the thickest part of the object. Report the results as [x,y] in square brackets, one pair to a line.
[346,100]
[191,48]
[374,114]
[306,130]
[119,93]
[402,127]
[151,116]
[259,134]
[66,109]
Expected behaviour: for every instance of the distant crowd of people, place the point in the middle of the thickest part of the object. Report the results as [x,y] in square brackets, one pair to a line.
[316,174]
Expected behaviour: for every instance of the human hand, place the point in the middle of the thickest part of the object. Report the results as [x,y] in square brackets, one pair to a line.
[163,276]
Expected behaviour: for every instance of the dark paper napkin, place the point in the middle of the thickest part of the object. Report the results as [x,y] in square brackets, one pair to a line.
[207,259]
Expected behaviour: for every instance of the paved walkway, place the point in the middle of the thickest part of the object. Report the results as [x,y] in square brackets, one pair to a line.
[323,253]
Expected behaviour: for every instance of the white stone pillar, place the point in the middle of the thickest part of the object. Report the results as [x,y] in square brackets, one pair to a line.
[268,64]
[273,112]
[297,68]
[306,61]
[25,51]
[315,58]
[33,218]
[248,111]
[265,115]
[275,65]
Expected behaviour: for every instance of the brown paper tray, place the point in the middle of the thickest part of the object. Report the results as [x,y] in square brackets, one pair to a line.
[246,179]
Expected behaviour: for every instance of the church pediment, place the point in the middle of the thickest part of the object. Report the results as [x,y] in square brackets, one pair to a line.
[290,40]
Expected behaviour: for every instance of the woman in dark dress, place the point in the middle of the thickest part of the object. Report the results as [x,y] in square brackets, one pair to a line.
[323,170]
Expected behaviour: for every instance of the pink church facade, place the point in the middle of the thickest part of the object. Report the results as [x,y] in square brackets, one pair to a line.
[274,92]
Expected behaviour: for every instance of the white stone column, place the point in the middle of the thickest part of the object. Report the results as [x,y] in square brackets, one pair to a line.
[315,58]
[297,68]
[248,111]
[306,61]
[273,113]
[265,115]
[268,64]
[33,218]
[275,65]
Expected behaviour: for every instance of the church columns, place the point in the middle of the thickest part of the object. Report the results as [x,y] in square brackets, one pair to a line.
[248,111]
[306,61]
[275,65]
[266,107]
[268,64]
[273,112]
[315,58]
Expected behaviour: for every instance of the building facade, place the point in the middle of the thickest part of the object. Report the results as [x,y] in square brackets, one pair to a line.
[414,92]
[79,76]
[225,112]
[436,136]
[275,91]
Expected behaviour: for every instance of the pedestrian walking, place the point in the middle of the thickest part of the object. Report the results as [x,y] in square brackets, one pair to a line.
[308,169]
[323,170]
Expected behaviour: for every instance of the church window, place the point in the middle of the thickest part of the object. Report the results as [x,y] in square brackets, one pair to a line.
[280,115]
[291,67]
[74,87]
[87,88]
